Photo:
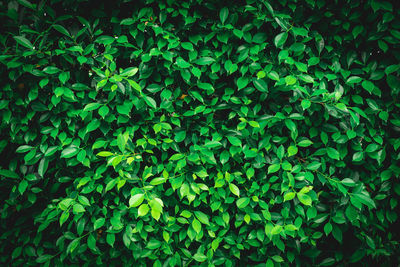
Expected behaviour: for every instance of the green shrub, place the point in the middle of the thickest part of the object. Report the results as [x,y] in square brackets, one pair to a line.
[182,133]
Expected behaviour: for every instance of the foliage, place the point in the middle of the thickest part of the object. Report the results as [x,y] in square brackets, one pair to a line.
[177,133]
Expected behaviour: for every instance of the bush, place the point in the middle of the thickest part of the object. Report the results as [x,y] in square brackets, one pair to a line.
[177,133]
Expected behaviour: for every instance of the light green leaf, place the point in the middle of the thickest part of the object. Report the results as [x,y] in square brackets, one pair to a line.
[234,189]
[136,200]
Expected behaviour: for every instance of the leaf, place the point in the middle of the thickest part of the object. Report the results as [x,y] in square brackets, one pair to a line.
[78,208]
[128,21]
[368,85]
[280,39]
[110,239]
[9,174]
[177,156]
[91,106]
[129,72]
[199,257]
[289,196]
[182,63]
[61,29]
[202,217]
[223,14]
[313,166]
[44,258]
[187,46]
[136,200]
[234,189]
[43,164]
[364,199]
[196,225]
[333,153]
[23,185]
[234,141]
[105,154]
[180,136]
[305,143]
[261,85]
[103,111]
[143,210]
[204,61]
[243,202]
[69,152]
[292,150]
[121,142]
[304,198]
[153,244]
[242,82]
[51,70]
[290,80]
[24,42]
[99,223]
[353,80]
[274,168]
[150,102]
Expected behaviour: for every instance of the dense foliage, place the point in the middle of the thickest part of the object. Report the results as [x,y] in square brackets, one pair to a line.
[182,133]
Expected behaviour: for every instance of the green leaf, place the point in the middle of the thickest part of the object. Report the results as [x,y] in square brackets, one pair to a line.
[304,198]
[313,166]
[129,72]
[290,80]
[223,14]
[180,136]
[182,63]
[91,106]
[110,239]
[143,210]
[128,21]
[292,150]
[105,154]
[121,142]
[78,208]
[261,85]
[177,156]
[9,174]
[353,80]
[24,42]
[358,156]
[243,202]
[280,39]
[289,196]
[150,102]
[333,153]
[274,168]
[234,141]
[61,29]
[313,61]
[242,82]
[187,46]
[44,258]
[305,143]
[234,189]
[202,217]
[23,185]
[136,200]
[199,257]
[196,225]
[204,61]
[153,244]
[69,152]
[364,199]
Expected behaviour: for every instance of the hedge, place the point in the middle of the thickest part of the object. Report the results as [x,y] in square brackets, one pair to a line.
[199,133]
